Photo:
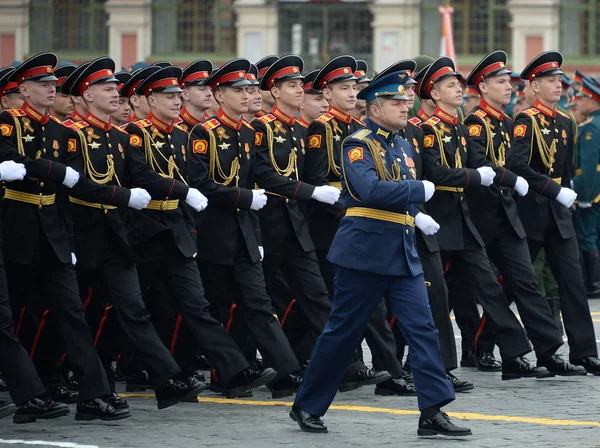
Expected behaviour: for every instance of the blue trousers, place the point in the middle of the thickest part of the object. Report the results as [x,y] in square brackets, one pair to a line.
[357,293]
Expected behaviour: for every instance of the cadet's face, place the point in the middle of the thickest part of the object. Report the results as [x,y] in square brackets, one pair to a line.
[314,105]
[548,88]
[448,91]
[289,93]
[498,89]
[198,96]
[254,99]
[341,95]
[529,93]
[520,106]
[103,96]
[122,112]
[470,104]
[141,103]
[360,104]
[409,90]
[12,101]
[267,99]
[39,94]
[234,100]
[166,106]
[62,105]
[391,114]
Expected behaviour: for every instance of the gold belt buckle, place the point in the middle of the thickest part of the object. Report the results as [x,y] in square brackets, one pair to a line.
[44,200]
[163,206]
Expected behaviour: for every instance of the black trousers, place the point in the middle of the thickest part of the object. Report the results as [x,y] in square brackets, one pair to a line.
[18,370]
[253,306]
[563,258]
[53,285]
[163,260]
[472,268]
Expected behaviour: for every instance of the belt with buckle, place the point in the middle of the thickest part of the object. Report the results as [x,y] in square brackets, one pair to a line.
[104,207]
[163,206]
[36,199]
[382,215]
[452,189]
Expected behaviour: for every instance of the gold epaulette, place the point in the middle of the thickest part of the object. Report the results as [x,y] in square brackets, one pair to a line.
[480,113]
[79,125]
[324,118]
[361,134]
[362,123]
[247,124]
[267,118]
[122,129]
[432,121]
[415,121]
[17,112]
[531,111]
[143,123]
[211,124]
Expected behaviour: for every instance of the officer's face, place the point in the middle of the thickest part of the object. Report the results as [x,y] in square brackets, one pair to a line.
[122,112]
[102,97]
[254,99]
[39,94]
[547,88]
[233,100]
[198,96]
[289,93]
[314,105]
[12,101]
[448,91]
[391,114]
[165,106]
[341,95]
[63,106]
[497,89]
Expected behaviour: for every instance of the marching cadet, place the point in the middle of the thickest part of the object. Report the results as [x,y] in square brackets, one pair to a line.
[40,259]
[495,215]
[375,256]
[447,161]
[314,103]
[471,99]
[197,96]
[10,97]
[79,106]
[254,94]
[139,104]
[362,81]
[119,116]
[99,204]
[267,99]
[542,152]
[223,165]
[164,233]
[62,108]
[287,242]
[587,185]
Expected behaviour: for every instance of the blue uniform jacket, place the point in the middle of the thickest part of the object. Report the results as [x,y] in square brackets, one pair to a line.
[376,245]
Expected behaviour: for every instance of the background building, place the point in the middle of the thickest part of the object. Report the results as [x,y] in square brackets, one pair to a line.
[380,31]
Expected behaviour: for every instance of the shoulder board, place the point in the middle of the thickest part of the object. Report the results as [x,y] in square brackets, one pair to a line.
[531,111]
[360,135]
[211,124]
[16,112]
[267,118]
[68,122]
[143,123]
[79,125]
[121,128]
[563,114]
[362,123]
[432,121]
[415,120]
[324,118]
[247,124]
[480,113]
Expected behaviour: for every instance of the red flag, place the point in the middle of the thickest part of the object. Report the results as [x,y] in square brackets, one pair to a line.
[447,40]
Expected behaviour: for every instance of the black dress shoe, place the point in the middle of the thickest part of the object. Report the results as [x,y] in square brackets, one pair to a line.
[249,379]
[396,386]
[520,367]
[69,380]
[117,402]
[60,393]
[408,377]
[3,386]
[364,377]
[37,408]
[306,421]
[440,424]
[221,389]
[197,375]
[557,365]
[285,387]
[175,391]
[7,408]
[137,382]
[486,361]
[99,409]
[590,363]
[468,360]
[459,385]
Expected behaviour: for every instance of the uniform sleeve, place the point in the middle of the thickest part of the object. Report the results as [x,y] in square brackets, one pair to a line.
[143,176]
[589,155]
[254,219]
[477,152]
[86,189]
[198,174]
[267,178]
[519,155]
[436,172]
[362,181]
[39,168]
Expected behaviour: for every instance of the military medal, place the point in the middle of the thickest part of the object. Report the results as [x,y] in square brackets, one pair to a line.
[247,149]
[183,152]
[222,133]
[121,151]
[55,146]
[302,144]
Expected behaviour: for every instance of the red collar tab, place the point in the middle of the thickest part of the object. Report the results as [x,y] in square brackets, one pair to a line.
[283,116]
[303,123]
[549,112]
[94,77]
[340,115]
[160,125]
[97,122]
[497,114]
[189,118]
[445,116]
[228,121]
[281,73]
[541,68]
[422,115]
[36,71]
[34,114]
[334,74]
[76,116]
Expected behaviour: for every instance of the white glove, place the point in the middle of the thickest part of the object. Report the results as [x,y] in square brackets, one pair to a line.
[566,197]
[429,188]
[522,186]
[326,194]
[196,200]
[71,177]
[259,199]
[262,252]
[426,224]
[11,170]
[584,204]
[487,175]
[73,258]
[139,198]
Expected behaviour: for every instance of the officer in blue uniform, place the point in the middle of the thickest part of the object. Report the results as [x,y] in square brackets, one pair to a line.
[375,255]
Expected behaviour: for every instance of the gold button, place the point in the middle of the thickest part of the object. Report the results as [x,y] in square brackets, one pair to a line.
[404,176]
[43,139]
[295,149]
[287,200]
[174,156]
[41,184]
[172,146]
[44,150]
[556,130]
[237,209]
[500,124]
[169,136]
[407,231]
[292,128]
[109,145]
[43,128]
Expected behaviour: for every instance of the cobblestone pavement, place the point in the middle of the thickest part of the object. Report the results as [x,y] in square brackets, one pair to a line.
[553,412]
